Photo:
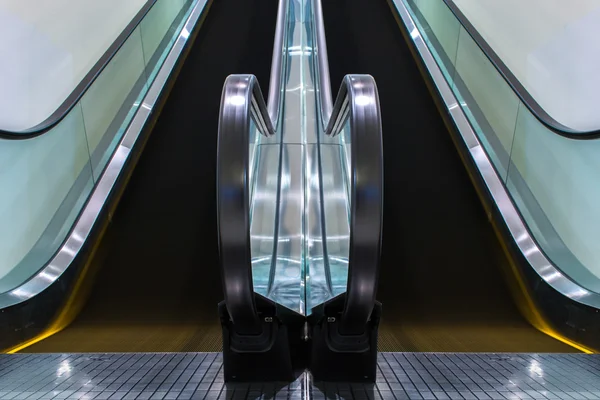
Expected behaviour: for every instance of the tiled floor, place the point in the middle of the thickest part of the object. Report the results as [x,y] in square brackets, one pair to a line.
[198,376]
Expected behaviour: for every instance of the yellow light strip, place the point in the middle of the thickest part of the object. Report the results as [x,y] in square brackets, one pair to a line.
[39,338]
[74,303]
[526,303]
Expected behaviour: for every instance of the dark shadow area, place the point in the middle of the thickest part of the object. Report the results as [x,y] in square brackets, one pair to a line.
[159,284]
[260,390]
[344,390]
[441,285]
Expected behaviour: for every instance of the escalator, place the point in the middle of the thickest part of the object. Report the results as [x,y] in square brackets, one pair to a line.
[442,277]
[159,283]
[307,296]
[436,232]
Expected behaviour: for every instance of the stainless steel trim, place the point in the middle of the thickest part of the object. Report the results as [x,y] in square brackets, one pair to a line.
[276,79]
[73,244]
[516,226]
[264,199]
[327,222]
[326,102]
[317,268]
[287,271]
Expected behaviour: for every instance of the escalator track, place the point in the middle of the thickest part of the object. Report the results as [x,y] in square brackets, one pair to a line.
[159,284]
[442,283]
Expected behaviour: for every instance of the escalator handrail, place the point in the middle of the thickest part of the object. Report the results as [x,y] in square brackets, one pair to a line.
[75,243]
[524,95]
[276,82]
[357,99]
[86,82]
[548,271]
[324,88]
[241,102]
[358,102]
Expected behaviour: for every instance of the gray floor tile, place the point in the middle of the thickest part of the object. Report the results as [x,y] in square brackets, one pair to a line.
[199,376]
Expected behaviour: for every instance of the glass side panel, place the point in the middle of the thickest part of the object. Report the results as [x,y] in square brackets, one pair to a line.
[443,31]
[318,278]
[264,182]
[160,29]
[550,47]
[328,198]
[108,101]
[287,285]
[552,179]
[156,25]
[299,208]
[337,177]
[493,116]
[45,181]
[52,46]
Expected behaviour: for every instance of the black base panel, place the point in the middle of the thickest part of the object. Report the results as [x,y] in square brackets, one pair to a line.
[336,357]
[442,285]
[159,286]
[277,354]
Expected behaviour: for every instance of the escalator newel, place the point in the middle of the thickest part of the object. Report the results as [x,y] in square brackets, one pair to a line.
[258,356]
[345,328]
[337,356]
[255,338]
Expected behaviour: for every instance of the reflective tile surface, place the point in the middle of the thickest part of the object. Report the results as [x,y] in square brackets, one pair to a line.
[199,376]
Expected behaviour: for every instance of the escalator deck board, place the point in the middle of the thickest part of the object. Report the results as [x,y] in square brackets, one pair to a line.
[179,334]
[199,376]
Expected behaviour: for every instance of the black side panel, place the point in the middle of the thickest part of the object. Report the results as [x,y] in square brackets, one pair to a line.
[159,286]
[441,285]
[336,356]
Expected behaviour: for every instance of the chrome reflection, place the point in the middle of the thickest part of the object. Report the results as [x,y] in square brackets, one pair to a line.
[301,181]
[278,64]
[319,288]
[325,97]
[336,220]
[516,226]
[263,215]
[52,271]
[287,274]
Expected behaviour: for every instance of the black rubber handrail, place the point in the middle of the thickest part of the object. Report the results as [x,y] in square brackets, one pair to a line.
[532,105]
[241,102]
[69,103]
[358,102]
